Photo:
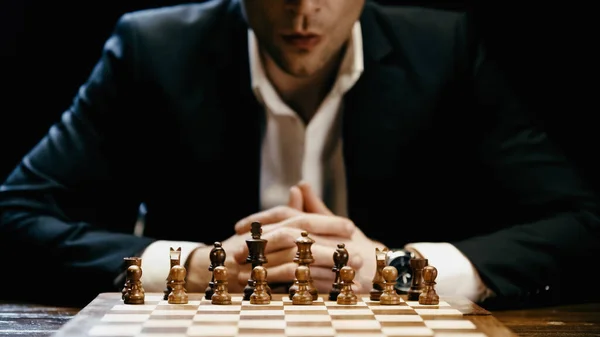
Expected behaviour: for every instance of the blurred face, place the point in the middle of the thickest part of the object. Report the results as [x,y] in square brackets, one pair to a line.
[302,36]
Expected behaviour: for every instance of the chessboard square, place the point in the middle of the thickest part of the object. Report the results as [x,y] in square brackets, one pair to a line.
[450,324]
[264,324]
[130,307]
[395,312]
[275,304]
[310,332]
[273,312]
[223,308]
[120,330]
[216,318]
[335,304]
[438,312]
[460,334]
[304,312]
[164,323]
[349,312]
[417,304]
[212,331]
[153,298]
[306,307]
[173,313]
[407,331]
[391,307]
[170,334]
[398,318]
[307,318]
[368,301]
[356,324]
[125,318]
[161,330]
[359,334]
[287,301]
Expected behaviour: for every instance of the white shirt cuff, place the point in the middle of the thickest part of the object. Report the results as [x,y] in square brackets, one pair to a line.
[156,262]
[456,275]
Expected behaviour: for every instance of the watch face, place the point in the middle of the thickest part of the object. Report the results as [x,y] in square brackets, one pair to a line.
[404,280]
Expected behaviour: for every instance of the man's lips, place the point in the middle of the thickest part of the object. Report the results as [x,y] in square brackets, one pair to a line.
[302,41]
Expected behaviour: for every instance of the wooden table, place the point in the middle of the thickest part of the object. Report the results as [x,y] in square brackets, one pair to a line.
[582,320]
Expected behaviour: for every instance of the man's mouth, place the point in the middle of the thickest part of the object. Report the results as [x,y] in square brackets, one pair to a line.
[302,41]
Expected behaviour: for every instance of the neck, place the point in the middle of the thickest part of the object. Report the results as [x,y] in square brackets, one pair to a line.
[303,94]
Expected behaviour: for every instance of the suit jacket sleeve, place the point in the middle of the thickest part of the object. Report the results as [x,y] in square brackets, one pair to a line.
[535,261]
[71,204]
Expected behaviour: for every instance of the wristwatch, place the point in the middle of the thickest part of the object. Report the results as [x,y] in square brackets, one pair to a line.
[400,258]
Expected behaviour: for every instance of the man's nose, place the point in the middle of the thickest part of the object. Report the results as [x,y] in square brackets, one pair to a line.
[303,7]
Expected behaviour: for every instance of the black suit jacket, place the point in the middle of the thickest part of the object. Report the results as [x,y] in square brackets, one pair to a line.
[436,148]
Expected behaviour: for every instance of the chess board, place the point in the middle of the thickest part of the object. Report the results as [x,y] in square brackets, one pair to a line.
[107,316]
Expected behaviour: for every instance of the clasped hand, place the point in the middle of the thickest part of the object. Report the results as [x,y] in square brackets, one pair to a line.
[281,226]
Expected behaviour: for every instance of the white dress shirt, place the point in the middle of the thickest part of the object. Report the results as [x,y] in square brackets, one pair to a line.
[293,151]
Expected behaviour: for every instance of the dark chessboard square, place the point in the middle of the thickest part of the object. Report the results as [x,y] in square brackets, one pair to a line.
[308,324]
[167,330]
[302,312]
[259,331]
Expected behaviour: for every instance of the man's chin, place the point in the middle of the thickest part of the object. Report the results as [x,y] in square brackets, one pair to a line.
[299,70]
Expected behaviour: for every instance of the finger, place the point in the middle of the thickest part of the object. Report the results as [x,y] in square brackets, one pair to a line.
[319,224]
[296,201]
[270,216]
[312,203]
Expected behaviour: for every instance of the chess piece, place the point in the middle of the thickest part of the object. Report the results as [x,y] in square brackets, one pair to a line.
[347,295]
[378,281]
[221,294]
[135,292]
[340,259]
[389,296]
[260,295]
[217,258]
[428,295]
[256,256]
[178,293]
[304,257]
[129,261]
[417,265]
[175,259]
[302,295]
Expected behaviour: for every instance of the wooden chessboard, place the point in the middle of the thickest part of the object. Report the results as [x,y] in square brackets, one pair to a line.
[108,316]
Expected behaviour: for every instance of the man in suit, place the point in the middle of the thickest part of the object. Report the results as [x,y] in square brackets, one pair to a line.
[373,126]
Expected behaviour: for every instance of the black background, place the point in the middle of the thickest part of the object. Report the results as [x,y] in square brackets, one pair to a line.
[547,51]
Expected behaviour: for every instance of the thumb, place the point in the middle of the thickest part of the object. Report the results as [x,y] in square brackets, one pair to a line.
[312,203]
[295,200]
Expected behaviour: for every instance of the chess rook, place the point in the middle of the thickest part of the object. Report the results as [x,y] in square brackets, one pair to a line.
[304,257]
